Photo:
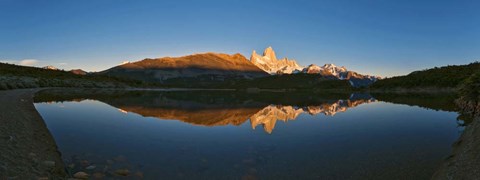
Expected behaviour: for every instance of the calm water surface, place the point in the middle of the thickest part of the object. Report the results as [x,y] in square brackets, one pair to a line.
[208,135]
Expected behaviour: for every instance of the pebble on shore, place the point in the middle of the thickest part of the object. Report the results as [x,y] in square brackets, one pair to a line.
[122,172]
[81,175]
[91,167]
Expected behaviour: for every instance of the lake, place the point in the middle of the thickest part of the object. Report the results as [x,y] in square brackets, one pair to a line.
[242,135]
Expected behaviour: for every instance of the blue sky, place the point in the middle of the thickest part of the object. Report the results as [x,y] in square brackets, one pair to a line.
[377,37]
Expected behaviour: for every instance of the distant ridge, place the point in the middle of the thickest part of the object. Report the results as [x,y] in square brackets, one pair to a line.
[207,69]
[215,66]
[341,73]
[78,72]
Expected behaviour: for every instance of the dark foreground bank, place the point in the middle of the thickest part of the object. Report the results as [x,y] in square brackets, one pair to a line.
[28,150]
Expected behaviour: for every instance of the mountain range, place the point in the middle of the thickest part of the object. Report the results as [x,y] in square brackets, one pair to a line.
[214,67]
[328,77]
[269,63]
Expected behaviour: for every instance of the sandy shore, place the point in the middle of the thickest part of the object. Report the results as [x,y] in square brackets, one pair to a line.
[27,149]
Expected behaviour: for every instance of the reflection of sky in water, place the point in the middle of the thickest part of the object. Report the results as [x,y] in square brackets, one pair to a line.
[379,139]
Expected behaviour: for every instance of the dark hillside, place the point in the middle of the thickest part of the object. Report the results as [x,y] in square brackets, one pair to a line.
[443,77]
[14,77]
[295,81]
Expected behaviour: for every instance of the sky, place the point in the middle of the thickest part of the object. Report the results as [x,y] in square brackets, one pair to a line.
[376,37]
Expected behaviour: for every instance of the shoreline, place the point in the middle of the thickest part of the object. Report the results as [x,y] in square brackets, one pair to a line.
[432,90]
[28,150]
[464,160]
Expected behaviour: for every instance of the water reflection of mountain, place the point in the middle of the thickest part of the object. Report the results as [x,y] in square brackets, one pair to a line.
[268,116]
[215,108]
[205,117]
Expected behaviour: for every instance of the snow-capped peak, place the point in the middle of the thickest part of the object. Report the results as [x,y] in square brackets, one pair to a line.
[269,63]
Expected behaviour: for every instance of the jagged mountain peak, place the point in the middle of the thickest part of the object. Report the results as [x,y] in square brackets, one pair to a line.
[270,53]
[270,64]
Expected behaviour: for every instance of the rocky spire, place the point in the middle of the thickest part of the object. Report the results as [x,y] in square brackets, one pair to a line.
[270,53]
[255,57]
